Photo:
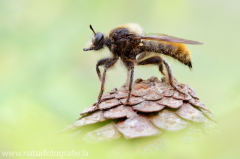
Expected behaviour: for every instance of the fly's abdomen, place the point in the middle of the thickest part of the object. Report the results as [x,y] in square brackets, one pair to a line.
[176,50]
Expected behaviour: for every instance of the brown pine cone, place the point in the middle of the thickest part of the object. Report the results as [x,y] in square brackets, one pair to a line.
[155,109]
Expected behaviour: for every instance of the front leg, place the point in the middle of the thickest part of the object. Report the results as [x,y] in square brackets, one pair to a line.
[99,63]
[110,63]
[130,66]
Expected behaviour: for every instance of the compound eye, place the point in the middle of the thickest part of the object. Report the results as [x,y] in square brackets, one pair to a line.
[98,38]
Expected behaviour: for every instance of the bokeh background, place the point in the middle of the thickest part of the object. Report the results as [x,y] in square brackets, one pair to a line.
[46,79]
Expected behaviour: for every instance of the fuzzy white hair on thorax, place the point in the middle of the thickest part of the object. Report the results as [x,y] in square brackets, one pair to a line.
[133,28]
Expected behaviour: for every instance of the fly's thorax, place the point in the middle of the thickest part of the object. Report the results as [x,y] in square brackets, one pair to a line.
[122,40]
[118,33]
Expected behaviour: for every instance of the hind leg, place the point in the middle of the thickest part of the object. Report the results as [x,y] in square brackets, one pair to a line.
[170,76]
[156,60]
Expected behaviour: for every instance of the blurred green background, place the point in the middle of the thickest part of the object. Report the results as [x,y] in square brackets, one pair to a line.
[46,79]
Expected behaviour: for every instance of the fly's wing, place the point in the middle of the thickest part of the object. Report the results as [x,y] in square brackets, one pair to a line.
[163,37]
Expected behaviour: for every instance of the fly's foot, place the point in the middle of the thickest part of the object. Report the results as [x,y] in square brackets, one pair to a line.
[97,105]
[127,103]
[182,93]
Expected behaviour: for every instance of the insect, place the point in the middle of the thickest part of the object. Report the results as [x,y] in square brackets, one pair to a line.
[129,44]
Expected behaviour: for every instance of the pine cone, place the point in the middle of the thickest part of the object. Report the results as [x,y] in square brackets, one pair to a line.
[155,109]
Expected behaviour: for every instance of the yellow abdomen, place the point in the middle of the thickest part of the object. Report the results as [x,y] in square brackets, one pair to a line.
[176,50]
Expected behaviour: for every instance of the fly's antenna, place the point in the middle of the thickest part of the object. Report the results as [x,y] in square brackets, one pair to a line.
[92,29]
